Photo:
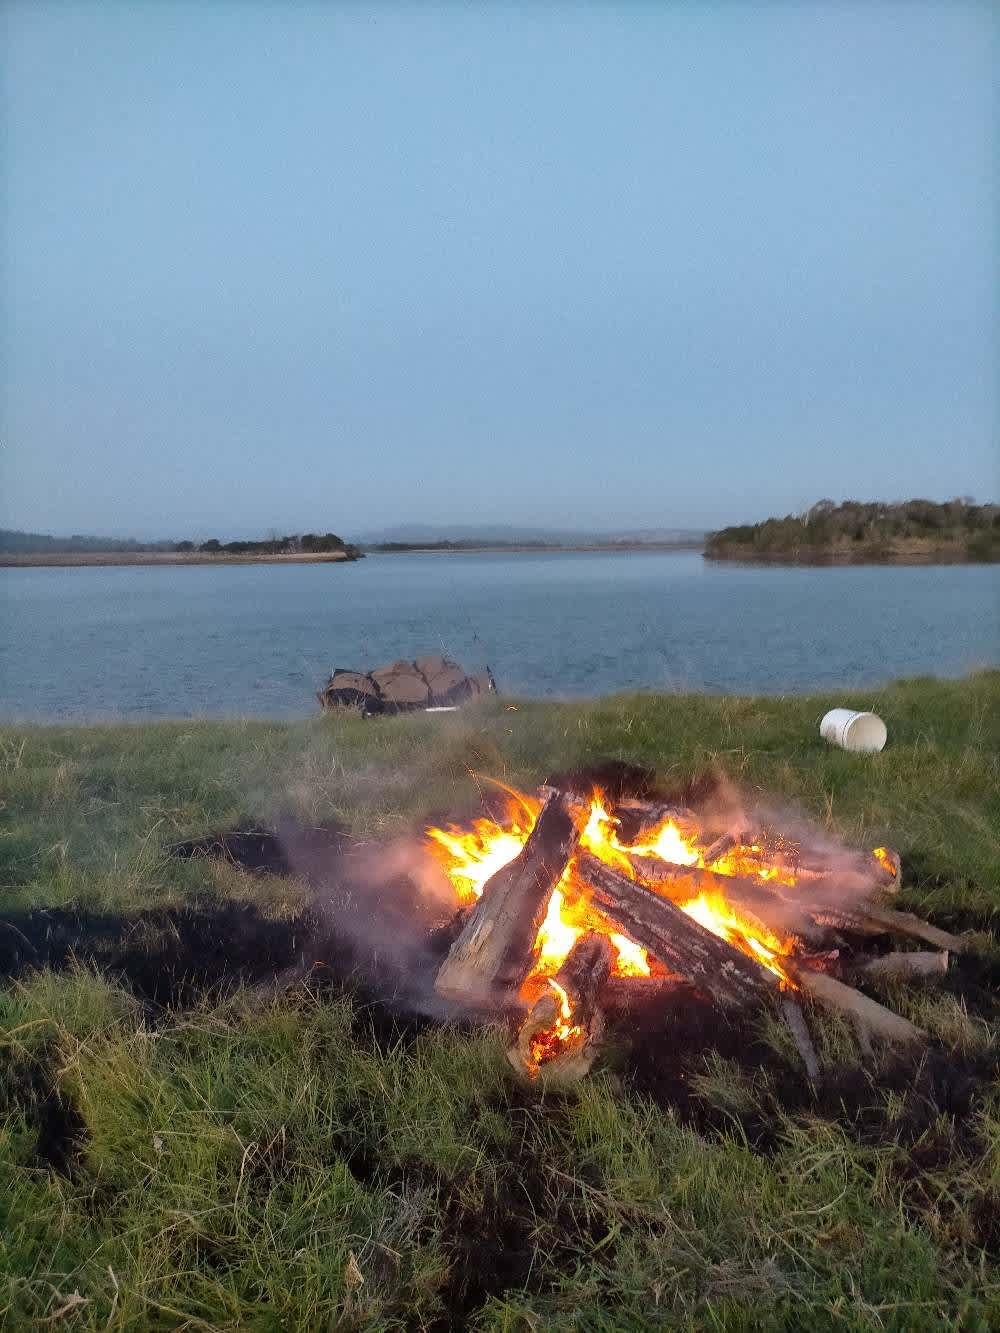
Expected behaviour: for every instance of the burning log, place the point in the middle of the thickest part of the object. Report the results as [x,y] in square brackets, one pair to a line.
[888,869]
[683,945]
[878,868]
[778,913]
[878,1020]
[564,1025]
[902,965]
[494,952]
[653,813]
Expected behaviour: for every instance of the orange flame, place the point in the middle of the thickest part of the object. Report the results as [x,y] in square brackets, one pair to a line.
[472,855]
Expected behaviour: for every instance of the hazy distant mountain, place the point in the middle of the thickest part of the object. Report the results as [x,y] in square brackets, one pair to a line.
[13,542]
[488,534]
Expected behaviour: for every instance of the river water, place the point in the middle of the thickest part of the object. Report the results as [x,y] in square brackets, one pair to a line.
[178,641]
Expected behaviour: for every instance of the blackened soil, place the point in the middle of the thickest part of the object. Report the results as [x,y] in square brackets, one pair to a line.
[26,1088]
[168,957]
[665,1053]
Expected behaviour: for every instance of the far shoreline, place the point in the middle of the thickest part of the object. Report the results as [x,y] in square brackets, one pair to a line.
[69,559]
[102,559]
[593,548]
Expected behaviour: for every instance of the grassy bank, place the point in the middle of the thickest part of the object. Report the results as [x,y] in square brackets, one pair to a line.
[291,1160]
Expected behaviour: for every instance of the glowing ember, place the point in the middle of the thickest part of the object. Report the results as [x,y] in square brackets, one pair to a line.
[887,860]
[555,1040]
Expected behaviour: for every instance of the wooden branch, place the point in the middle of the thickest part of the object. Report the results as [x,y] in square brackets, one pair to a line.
[796,1021]
[716,967]
[905,923]
[826,990]
[869,919]
[917,964]
[494,952]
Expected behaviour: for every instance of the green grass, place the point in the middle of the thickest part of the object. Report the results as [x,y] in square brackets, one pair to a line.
[266,1163]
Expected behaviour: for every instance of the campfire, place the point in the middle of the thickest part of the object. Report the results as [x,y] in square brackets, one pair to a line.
[575,907]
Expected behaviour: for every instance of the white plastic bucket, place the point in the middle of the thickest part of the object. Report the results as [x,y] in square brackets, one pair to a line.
[864,733]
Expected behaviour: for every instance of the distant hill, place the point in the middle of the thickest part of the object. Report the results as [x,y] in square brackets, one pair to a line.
[13,542]
[422,534]
[855,532]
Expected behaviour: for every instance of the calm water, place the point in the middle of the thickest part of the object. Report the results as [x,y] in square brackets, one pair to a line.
[260,639]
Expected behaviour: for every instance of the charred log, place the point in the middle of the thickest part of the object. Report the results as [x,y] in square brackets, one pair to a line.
[623,997]
[494,952]
[683,945]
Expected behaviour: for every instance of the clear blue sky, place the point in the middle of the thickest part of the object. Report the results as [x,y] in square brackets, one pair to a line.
[343,266]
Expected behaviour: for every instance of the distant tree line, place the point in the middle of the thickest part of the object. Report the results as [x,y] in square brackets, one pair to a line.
[867,530]
[308,543]
[36,543]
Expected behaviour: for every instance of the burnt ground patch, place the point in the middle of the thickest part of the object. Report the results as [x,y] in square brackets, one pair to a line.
[170,957]
[365,931]
[27,1087]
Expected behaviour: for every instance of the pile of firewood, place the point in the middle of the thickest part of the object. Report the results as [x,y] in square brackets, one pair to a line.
[826,922]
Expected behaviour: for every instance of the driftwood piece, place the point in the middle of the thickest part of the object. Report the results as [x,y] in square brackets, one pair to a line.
[796,1021]
[494,952]
[833,994]
[683,945]
[579,982]
[903,965]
